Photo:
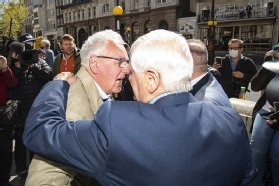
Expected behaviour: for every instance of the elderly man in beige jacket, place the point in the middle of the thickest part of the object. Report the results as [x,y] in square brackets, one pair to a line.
[104,61]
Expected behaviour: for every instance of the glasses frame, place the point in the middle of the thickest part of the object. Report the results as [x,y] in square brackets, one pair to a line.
[121,61]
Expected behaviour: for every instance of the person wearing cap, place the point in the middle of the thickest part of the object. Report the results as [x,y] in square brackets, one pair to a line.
[32,73]
[265,138]
[69,59]
[28,41]
[45,45]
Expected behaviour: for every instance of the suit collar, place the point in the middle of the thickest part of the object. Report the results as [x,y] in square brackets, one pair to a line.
[176,98]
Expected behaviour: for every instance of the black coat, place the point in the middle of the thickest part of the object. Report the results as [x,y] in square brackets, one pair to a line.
[30,82]
[230,84]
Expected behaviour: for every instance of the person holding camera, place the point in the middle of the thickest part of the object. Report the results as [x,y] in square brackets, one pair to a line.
[32,73]
[265,137]
[236,69]
[7,80]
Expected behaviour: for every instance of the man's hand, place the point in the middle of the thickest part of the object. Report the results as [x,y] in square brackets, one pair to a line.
[3,65]
[238,74]
[216,65]
[67,76]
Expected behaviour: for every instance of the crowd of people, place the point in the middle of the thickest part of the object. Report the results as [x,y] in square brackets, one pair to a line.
[177,127]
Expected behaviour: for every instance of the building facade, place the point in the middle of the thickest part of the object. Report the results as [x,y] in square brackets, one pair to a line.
[82,18]
[253,21]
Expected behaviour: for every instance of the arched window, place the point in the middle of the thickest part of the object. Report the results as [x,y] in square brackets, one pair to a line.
[147,27]
[163,25]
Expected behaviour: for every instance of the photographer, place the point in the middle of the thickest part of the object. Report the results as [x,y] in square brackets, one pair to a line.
[265,138]
[32,73]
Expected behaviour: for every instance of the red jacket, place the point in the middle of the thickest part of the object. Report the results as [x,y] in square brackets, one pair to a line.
[7,80]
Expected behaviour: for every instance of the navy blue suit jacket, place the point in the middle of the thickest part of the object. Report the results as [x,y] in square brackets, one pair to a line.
[175,141]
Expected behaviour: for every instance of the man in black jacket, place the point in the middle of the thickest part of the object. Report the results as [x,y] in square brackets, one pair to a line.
[31,74]
[236,69]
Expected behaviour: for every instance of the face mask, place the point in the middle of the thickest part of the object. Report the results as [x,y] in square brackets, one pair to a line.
[233,53]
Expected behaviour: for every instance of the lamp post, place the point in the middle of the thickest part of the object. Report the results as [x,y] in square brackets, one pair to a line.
[211,35]
[117,11]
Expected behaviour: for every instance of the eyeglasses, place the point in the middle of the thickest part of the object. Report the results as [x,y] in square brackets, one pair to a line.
[121,61]
[234,48]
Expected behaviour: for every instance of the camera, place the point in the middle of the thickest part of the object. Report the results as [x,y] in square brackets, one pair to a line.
[29,57]
[218,60]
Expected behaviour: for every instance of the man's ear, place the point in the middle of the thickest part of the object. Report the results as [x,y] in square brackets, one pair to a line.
[93,64]
[152,80]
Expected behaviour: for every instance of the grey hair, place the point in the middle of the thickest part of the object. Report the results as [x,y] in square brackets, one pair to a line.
[97,43]
[167,53]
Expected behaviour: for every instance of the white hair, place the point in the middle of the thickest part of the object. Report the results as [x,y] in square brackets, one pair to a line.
[45,42]
[97,43]
[168,54]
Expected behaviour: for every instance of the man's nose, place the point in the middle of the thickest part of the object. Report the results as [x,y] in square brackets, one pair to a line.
[126,69]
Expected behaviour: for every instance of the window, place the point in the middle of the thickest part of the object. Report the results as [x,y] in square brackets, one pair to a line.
[163,25]
[135,31]
[147,27]
[36,21]
[89,12]
[94,11]
[50,2]
[105,8]
[162,1]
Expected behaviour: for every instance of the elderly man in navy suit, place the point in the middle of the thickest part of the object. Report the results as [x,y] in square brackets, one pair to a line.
[165,138]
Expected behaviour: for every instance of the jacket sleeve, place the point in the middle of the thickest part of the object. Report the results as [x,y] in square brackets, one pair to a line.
[252,70]
[81,145]
[42,71]
[261,79]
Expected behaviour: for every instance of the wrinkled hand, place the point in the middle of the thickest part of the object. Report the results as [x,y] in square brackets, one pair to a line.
[216,65]
[3,65]
[238,74]
[67,76]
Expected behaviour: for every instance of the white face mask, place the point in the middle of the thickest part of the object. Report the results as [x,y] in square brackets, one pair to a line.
[233,53]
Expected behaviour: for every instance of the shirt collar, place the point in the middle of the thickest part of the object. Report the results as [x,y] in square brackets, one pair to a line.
[103,95]
[194,81]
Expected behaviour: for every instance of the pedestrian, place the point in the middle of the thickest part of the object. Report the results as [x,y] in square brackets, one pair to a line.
[45,45]
[265,138]
[205,86]
[69,59]
[236,70]
[98,78]
[7,81]
[166,137]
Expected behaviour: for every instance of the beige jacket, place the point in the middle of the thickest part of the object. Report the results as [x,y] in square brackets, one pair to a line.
[83,103]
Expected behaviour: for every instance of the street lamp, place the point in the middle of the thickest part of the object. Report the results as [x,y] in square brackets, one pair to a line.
[117,11]
[211,35]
